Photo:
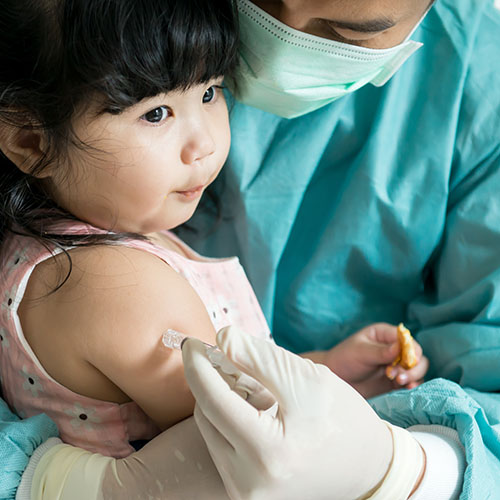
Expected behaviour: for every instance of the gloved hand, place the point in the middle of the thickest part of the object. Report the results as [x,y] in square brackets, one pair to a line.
[325,442]
[364,360]
[175,465]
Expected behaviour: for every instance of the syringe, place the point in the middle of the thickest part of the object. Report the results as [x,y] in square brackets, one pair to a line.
[174,340]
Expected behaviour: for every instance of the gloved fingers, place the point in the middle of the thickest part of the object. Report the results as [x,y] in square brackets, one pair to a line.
[254,392]
[216,442]
[241,383]
[272,366]
[248,389]
[214,398]
[261,400]
[230,379]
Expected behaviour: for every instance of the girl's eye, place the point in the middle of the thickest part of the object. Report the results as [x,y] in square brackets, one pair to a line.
[210,94]
[156,115]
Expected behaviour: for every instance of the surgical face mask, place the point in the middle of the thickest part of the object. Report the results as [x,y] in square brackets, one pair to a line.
[290,73]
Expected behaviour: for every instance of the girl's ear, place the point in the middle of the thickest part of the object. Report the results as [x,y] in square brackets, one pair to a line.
[24,147]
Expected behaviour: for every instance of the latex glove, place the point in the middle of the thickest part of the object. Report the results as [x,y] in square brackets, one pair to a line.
[247,387]
[325,442]
[364,359]
[175,465]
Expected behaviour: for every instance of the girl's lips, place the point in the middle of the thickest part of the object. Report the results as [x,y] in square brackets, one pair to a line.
[192,193]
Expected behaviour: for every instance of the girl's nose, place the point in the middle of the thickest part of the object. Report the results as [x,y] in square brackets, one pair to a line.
[198,146]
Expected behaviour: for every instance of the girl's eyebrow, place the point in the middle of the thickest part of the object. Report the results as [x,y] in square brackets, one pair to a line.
[370,26]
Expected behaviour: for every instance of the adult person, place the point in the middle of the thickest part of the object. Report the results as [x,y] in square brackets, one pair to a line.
[331,194]
[381,205]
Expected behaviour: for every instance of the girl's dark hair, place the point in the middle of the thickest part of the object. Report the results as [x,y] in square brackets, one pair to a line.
[55,54]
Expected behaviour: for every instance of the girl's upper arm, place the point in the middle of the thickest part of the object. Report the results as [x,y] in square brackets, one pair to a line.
[125,299]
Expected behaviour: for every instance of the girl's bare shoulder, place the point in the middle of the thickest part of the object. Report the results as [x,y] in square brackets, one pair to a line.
[108,317]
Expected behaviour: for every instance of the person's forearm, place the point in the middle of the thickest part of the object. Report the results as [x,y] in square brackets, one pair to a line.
[174,466]
[178,467]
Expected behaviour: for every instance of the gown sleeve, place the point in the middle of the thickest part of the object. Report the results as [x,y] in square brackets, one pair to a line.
[457,316]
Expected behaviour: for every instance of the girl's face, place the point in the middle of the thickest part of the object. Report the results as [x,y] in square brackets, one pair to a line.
[146,168]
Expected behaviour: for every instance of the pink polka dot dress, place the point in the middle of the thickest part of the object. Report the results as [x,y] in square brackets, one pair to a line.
[100,426]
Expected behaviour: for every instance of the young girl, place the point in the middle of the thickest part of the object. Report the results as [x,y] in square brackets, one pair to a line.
[113,125]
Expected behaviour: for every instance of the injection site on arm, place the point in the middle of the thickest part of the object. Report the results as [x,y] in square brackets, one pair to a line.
[175,340]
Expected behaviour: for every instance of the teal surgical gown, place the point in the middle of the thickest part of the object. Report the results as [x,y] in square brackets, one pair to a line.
[385,206]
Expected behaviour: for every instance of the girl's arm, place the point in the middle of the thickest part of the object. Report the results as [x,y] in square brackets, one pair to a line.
[108,320]
[366,359]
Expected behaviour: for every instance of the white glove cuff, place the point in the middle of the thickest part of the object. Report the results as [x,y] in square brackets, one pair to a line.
[443,479]
[68,472]
[24,489]
[406,467]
